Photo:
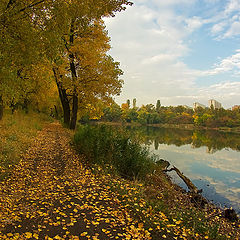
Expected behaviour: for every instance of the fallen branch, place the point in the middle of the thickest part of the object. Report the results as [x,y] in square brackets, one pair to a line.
[197,198]
[187,181]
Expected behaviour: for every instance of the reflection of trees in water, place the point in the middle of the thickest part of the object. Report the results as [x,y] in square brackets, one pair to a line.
[214,140]
[156,144]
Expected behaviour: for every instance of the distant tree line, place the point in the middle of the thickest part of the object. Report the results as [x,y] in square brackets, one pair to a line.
[150,114]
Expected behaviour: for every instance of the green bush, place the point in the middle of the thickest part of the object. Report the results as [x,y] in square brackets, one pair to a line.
[105,145]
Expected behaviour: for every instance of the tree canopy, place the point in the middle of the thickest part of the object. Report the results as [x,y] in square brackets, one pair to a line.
[46,42]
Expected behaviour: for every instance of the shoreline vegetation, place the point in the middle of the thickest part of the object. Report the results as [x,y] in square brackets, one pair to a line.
[181,117]
[160,192]
[174,126]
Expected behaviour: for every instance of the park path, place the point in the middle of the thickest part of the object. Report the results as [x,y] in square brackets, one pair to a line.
[52,195]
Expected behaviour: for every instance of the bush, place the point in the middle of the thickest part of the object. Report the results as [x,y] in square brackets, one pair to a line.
[104,145]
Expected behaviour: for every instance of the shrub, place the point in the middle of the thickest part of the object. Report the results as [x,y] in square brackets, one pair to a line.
[105,145]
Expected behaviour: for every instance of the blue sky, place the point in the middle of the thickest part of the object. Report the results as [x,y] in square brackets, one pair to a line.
[178,51]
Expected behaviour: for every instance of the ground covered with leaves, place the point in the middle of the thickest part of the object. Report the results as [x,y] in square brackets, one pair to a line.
[52,194]
[16,133]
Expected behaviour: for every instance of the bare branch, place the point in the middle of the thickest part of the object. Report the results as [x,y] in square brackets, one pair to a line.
[31,5]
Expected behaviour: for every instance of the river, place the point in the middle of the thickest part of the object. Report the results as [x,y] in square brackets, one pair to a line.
[211,160]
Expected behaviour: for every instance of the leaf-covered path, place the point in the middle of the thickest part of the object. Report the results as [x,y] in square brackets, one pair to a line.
[51,195]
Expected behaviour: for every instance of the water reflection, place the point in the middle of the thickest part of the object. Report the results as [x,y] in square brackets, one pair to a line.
[213,140]
[210,159]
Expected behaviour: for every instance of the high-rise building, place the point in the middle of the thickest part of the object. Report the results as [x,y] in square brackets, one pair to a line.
[196,105]
[215,104]
[187,107]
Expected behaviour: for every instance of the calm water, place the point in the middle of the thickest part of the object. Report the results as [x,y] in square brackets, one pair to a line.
[209,158]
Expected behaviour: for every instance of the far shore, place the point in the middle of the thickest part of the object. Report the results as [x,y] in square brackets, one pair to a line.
[177,126]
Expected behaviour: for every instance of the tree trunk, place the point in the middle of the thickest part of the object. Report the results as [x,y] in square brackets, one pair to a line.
[64,99]
[25,106]
[1,107]
[75,95]
[74,111]
[74,79]
[66,108]
[13,106]
[56,112]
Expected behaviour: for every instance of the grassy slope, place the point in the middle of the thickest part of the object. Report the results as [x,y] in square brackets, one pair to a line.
[16,133]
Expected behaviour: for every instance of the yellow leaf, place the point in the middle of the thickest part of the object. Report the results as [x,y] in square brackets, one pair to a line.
[83,234]
[28,235]
[35,235]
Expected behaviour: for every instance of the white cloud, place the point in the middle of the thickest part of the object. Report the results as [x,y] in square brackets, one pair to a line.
[233,30]
[218,28]
[161,58]
[225,92]
[226,22]
[150,41]
[232,6]
[170,3]
[194,23]
[228,64]
[149,44]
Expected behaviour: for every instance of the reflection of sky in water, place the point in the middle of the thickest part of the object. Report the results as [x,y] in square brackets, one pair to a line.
[218,174]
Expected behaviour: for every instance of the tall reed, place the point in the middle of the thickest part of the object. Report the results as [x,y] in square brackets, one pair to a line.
[105,145]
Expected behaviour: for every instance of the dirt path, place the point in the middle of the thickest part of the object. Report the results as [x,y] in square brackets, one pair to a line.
[51,195]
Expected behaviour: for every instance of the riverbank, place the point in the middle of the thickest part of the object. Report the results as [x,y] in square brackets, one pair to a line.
[55,193]
[174,126]
[191,212]
[194,127]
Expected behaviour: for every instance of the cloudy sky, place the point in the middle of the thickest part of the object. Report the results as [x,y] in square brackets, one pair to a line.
[178,51]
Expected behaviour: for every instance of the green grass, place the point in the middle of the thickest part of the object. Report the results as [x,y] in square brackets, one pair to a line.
[16,133]
[102,145]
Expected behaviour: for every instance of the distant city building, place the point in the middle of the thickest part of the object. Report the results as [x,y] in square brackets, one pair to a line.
[196,105]
[187,107]
[235,107]
[214,103]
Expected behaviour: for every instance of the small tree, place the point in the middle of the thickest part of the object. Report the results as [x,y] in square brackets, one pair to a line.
[158,106]
[134,103]
[128,103]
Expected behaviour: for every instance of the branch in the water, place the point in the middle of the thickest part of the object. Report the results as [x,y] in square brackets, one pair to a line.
[187,181]
[197,198]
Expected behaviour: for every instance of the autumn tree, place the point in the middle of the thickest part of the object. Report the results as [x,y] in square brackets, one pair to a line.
[91,73]
[96,75]
[112,113]
[37,30]
[21,47]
